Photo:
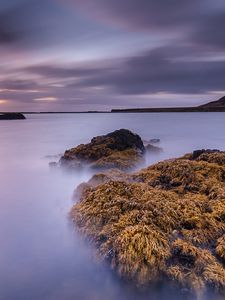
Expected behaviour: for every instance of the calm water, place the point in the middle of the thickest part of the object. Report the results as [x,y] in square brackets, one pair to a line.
[40,255]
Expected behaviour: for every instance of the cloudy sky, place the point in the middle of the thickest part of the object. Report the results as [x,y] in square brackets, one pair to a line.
[73,55]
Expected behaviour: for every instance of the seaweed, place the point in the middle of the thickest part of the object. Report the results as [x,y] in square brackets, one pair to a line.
[165,221]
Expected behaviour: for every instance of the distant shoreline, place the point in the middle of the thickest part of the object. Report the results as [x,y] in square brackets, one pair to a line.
[170,109]
[134,110]
[214,106]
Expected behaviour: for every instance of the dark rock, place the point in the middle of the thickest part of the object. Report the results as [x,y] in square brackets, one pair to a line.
[212,156]
[120,140]
[120,149]
[12,116]
[196,154]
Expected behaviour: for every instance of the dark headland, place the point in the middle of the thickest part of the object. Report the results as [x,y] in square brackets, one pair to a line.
[12,116]
[214,106]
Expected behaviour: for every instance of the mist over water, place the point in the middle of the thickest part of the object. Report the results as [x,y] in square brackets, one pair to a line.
[41,257]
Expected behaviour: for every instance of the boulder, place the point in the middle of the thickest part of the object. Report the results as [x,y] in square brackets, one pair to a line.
[120,149]
[165,222]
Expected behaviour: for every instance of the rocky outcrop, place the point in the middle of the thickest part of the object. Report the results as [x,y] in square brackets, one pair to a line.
[164,222]
[120,149]
[12,116]
[213,156]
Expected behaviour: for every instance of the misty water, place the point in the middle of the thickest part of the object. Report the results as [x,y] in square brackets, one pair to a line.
[41,256]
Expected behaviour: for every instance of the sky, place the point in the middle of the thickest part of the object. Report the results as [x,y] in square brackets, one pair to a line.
[76,55]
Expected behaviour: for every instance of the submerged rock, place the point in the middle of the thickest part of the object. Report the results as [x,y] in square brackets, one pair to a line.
[164,222]
[53,164]
[154,141]
[120,149]
[153,149]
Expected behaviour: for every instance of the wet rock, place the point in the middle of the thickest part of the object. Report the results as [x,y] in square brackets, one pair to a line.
[197,153]
[211,156]
[120,149]
[165,221]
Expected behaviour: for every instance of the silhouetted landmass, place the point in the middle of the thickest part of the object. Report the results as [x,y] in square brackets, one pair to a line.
[12,116]
[214,106]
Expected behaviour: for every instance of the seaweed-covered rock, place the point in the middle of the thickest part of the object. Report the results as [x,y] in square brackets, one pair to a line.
[120,149]
[212,156]
[164,222]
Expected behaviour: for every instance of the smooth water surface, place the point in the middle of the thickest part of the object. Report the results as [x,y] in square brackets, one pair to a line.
[41,257]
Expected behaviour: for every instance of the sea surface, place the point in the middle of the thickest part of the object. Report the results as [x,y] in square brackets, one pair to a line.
[41,256]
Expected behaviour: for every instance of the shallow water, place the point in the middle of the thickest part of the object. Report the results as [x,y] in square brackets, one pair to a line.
[41,257]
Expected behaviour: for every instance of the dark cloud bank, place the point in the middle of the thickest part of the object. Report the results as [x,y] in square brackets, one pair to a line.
[153,71]
[189,60]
